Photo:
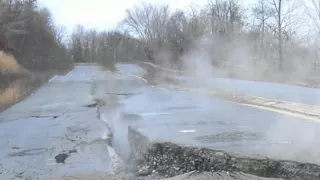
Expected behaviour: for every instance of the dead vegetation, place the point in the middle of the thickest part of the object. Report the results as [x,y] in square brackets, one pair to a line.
[31,49]
[10,95]
[8,64]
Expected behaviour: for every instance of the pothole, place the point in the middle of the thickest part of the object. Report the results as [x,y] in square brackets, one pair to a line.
[61,158]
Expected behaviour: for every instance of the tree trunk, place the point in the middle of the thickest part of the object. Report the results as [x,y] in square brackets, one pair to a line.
[280,50]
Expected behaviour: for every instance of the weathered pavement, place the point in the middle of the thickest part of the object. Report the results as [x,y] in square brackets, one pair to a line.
[56,131]
[61,119]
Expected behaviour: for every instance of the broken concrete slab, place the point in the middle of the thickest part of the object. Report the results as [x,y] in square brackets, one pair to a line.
[170,159]
[225,126]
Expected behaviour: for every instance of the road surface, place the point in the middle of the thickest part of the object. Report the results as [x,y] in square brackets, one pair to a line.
[285,92]
[55,132]
[197,120]
[61,120]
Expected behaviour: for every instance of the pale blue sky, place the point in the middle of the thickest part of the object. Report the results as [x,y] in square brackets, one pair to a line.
[102,14]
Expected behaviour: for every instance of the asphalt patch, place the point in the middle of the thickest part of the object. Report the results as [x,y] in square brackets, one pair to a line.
[60,158]
[229,137]
[126,116]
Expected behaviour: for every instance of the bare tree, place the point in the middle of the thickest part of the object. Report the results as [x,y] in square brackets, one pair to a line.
[92,36]
[176,33]
[194,27]
[312,8]
[77,39]
[60,34]
[262,12]
[149,23]
[30,34]
[283,12]
[225,15]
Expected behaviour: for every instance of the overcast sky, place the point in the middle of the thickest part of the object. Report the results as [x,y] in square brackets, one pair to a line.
[102,14]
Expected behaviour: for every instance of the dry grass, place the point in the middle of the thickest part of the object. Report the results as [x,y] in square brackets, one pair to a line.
[9,95]
[8,63]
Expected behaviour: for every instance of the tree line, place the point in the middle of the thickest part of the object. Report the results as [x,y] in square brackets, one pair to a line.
[106,48]
[281,35]
[277,35]
[28,32]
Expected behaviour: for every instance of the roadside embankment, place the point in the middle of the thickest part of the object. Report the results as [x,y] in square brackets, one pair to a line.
[16,82]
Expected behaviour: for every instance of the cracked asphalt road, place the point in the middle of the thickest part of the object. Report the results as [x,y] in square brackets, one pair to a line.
[52,133]
[196,120]
[57,122]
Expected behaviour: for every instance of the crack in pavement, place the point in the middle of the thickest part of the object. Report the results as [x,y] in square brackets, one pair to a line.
[29,152]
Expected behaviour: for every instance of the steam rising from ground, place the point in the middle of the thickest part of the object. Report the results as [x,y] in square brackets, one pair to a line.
[240,57]
[211,57]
